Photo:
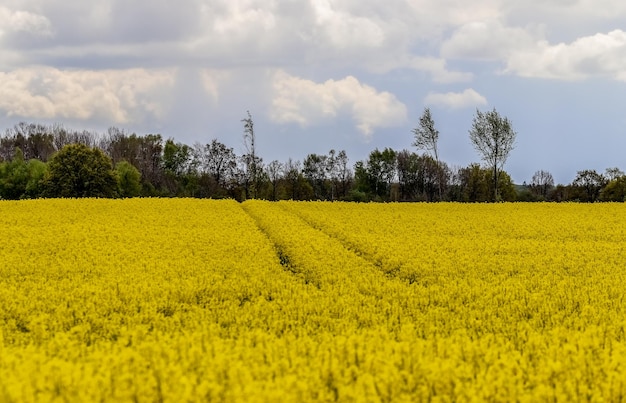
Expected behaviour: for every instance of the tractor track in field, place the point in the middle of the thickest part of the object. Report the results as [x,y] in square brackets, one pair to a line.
[350,246]
[283,257]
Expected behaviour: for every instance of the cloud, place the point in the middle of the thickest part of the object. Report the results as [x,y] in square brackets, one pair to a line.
[456,100]
[344,29]
[222,34]
[597,55]
[116,96]
[486,40]
[305,102]
[20,21]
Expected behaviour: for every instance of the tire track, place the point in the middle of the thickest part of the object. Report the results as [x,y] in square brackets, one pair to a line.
[387,269]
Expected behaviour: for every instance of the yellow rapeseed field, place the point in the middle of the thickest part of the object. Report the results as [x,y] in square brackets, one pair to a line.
[204,300]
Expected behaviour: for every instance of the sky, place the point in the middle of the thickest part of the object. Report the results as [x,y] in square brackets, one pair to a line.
[317,75]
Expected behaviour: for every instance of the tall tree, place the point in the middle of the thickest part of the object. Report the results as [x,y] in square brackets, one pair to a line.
[80,171]
[250,159]
[426,138]
[343,174]
[494,138]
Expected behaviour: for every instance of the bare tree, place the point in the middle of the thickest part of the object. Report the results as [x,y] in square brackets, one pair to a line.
[541,183]
[494,138]
[274,171]
[613,173]
[294,179]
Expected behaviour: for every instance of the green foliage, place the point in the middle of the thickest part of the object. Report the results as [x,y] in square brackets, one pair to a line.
[376,176]
[37,172]
[128,179]
[80,171]
[476,184]
[506,188]
[13,177]
[615,190]
[20,179]
[146,165]
[176,158]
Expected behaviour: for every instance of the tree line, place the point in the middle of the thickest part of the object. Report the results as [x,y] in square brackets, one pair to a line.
[39,160]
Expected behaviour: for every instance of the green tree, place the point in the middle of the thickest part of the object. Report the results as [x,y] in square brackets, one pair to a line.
[128,179]
[588,184]
[506,188]
[472,184]
[494,138]
[14,177]
[376,176]
[176,158]
[21,179]
[80,171]
[37,172]
[615,190]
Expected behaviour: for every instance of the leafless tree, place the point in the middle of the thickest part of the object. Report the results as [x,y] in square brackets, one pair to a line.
[274,171]
[541,183]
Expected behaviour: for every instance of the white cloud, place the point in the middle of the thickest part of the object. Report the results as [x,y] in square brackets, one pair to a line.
[301,101]
[116,96]
[486,40]
[597,55]
[345,30]
[23,21]
[244,17]
[456,100]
